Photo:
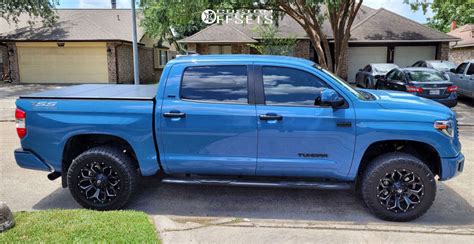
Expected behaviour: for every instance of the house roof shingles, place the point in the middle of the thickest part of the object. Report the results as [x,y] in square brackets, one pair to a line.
[73,25]
[370,25]
[466,33]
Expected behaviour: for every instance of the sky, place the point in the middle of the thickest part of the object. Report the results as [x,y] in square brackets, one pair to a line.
[396,6]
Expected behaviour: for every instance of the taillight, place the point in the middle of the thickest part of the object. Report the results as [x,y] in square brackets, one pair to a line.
[452,89]
[20,117]
[414,89]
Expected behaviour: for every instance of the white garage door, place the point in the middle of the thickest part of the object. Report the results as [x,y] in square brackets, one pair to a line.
[359,57]
[408,55]
[73,63]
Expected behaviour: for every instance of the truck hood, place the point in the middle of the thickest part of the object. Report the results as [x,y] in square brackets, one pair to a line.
[406,101]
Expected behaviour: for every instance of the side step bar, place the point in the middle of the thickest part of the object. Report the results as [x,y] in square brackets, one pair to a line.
[274,184]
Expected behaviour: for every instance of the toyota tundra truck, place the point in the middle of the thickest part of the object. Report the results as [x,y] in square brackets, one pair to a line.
[242,120]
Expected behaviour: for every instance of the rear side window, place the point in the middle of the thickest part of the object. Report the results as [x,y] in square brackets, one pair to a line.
[225,84]
[287,86]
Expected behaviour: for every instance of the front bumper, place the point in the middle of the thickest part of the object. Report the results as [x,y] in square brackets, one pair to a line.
[451,167]
[29,160]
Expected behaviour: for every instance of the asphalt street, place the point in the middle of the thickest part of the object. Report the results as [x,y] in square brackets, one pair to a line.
[211,214]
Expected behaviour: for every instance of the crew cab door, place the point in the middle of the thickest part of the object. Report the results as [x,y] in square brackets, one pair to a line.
[295,137]
[208,120]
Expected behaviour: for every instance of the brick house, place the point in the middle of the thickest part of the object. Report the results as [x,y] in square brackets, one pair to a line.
[84,46]
[464,49]
[377,36]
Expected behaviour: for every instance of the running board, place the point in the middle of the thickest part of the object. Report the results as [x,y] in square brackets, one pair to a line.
[275,184]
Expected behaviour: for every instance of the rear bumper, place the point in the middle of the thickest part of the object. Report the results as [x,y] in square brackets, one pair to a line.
[29,160]
[451,167]
[449,102]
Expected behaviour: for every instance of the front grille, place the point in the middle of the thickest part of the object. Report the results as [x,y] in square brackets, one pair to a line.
[456,131]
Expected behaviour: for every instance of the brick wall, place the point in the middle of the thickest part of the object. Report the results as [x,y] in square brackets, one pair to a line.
[124,54]
[459,55]
[443,51]
[301,49]
[111,62]
[13,62]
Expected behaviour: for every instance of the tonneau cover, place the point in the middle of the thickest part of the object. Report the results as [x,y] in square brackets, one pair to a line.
[107,92]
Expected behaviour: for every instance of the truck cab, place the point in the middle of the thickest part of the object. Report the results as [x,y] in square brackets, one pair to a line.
[245,120]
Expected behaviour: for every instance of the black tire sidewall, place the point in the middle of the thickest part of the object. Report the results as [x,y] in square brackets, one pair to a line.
[119,162]
[388,163]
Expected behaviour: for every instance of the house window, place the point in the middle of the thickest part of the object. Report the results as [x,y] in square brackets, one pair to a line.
[161,56]
[220,49]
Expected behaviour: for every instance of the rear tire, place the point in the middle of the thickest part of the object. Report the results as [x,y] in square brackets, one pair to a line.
[398,187]
[102,178]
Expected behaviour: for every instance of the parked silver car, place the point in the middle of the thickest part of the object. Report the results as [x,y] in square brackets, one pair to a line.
[463,78]
[440,65]
[367,77]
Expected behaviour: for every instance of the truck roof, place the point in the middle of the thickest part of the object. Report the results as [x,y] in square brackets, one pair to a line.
[242,57]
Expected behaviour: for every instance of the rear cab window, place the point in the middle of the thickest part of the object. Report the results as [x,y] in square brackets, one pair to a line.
[215,84]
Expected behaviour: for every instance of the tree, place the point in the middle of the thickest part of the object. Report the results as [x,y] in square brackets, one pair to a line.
[270,44]
[309,14]
[445,11]
[10,10]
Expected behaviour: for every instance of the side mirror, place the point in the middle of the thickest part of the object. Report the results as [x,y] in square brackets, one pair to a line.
[453,70]
[329,97]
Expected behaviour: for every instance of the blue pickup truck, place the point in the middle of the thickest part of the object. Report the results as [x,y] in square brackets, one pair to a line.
[242,120]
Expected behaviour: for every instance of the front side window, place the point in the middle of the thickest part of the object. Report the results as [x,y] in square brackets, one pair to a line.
[460,69]
[224,84]
[287,86]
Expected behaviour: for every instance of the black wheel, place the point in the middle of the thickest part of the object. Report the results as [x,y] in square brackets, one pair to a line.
[102,178]
[367,83]
[398,187]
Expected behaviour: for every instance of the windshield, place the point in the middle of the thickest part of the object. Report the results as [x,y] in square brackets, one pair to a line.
[343,83]
[443,65]
[425,76]
[384,68]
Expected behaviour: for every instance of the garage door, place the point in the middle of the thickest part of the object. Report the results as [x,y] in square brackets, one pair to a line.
[73,63]
[407,55]
[359,57]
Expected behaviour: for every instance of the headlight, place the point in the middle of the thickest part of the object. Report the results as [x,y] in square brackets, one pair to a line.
[445,126]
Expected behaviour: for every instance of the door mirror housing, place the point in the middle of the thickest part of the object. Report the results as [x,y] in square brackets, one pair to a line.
[329,97]
[453,70]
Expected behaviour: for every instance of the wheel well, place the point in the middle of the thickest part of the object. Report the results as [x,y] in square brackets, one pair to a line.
[80,143]
[421,150]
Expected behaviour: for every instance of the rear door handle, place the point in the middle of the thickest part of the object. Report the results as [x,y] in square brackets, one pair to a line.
[174,114]
[270,116]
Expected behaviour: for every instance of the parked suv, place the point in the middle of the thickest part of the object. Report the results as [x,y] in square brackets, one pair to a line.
[440,65]
[242,120]
[368,76]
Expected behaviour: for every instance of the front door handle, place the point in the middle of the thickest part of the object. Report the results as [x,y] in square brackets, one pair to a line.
[270,116]
[174,114]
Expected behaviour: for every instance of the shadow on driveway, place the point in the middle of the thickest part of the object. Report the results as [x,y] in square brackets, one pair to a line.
[264,203]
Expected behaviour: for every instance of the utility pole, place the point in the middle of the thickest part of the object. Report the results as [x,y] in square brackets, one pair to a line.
[136,69]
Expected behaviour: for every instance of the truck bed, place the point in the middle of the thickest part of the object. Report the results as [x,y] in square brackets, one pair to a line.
[101,92]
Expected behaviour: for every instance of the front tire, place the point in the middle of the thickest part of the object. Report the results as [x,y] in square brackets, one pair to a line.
[102,178]
[398,187]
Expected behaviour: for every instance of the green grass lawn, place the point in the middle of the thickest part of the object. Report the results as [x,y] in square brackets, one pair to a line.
[82,226]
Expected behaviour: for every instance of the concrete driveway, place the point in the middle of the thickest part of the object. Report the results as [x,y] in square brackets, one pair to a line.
[210,214]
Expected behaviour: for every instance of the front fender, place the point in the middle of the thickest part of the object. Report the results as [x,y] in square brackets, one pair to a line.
[369,133]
